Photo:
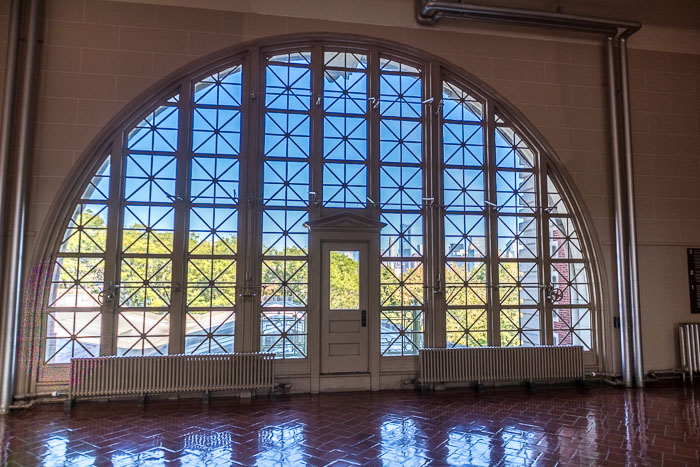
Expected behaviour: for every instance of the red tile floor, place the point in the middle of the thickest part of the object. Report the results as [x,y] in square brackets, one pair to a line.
[552,425]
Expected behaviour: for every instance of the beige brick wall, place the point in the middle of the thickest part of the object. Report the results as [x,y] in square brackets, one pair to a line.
[665,102]
[99,55]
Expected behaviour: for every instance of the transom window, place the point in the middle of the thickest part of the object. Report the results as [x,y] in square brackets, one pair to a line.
[189,235]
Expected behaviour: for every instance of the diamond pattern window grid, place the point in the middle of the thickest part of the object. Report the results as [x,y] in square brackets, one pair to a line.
[71,334]
[464,218]
[149,199]
[143,333]
[466,299]
[157,132]
[73,323]
[212,262]
[148,233]
[345,146]
[520,327]
[286,178]
[210,331]
[401,200]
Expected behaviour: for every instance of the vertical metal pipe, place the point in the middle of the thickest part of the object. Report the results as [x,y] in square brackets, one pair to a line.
[12,285]
[8,105]
[633,271]
[620,217]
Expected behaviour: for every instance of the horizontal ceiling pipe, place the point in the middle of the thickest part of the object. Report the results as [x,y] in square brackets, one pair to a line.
[430,12]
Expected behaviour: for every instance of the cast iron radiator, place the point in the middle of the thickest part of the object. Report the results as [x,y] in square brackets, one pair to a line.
[689,341]
[495,364]
[142,375]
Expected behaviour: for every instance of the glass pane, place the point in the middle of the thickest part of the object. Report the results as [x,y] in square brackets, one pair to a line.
[222,88]
[287,135]
[570,284]
[286,183]
[400,96]
[284,283]
[150,178]
[211,282]
[467,327]
[143,333]
[345,91]
[572,326]
[463,189]
[284,233]
[216,131]
[555,203]
[77,282]
[520,327]
[87,230]
[401,332]
[516,192]
[400,141]
[387,65]
[563,239]
[401,187]
[402,237]
[72,334]
[459,105]
[283,333]
[148,229]
[344,279]
[465,284]
[98,187]
[511,151]
[517,237]
[209,332]
[465,236]
[463,144]
[401,283]
[344,185]
[287,87]
[157,132]
[345,60]
[145,282]
[518,284]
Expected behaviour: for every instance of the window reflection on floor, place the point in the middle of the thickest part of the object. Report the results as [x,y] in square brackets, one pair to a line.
[402,442]
[281,445]
[600,426]
[56,453]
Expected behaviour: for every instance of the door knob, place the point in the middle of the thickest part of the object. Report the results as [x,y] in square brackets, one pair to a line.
[364,318]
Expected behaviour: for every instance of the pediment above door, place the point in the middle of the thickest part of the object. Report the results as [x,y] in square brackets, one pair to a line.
[344,222]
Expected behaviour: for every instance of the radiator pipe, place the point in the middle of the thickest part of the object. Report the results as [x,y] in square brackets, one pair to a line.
[8,105]
[620,217]
[12,284]
[39,395]
[633,268]
[429,12]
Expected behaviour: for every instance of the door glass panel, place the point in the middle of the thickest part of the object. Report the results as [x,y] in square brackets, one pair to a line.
[344,280]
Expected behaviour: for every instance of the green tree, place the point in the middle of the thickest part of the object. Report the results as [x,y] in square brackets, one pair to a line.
[344,278]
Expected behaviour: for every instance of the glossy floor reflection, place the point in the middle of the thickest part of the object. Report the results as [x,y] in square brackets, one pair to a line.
[599,426]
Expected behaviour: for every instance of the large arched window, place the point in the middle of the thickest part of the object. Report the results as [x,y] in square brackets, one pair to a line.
[190,234]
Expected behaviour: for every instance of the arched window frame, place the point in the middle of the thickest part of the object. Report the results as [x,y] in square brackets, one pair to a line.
[111,140]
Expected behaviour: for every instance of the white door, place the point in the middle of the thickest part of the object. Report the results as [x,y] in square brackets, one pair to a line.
[344,308]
